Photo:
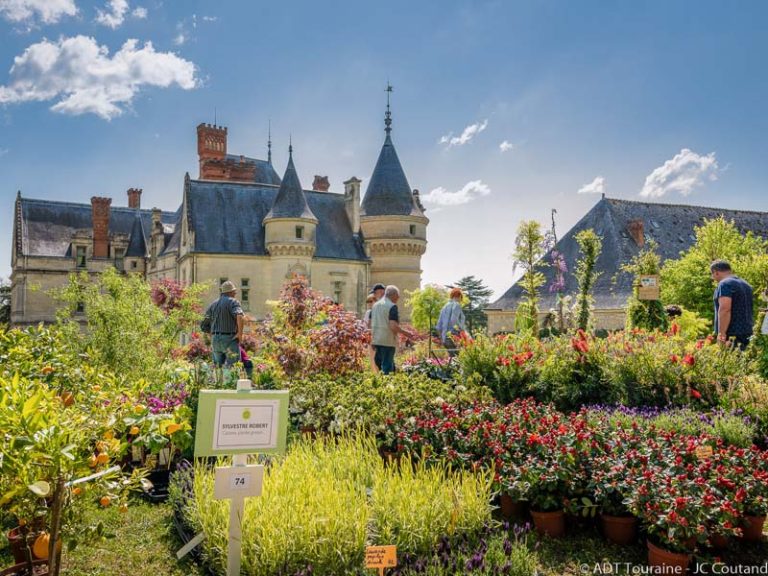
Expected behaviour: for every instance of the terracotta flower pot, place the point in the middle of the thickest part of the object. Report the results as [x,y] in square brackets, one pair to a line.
[550,524]
[511,509]
[619,529]
[719,541]
[753,528]
[17,545]
[661,557]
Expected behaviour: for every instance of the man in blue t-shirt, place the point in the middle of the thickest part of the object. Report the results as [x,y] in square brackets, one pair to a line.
[733,305]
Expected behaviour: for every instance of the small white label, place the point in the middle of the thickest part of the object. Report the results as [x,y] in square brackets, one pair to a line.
[187,548]
[238,481]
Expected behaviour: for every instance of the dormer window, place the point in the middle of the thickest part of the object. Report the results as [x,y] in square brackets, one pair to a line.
[80,257]
[299,232]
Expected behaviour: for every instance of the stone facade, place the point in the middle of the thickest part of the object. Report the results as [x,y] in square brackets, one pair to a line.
[222,230]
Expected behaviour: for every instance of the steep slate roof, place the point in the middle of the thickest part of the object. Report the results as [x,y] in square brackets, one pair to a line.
[290,201]
[227,217]
[388,191]
[671,226]
[137,246]
[265,173]
[47,226]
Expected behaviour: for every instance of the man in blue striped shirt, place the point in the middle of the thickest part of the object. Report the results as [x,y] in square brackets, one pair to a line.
[226,319]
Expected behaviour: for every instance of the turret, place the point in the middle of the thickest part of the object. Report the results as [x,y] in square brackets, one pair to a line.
[392,221]
[289,227]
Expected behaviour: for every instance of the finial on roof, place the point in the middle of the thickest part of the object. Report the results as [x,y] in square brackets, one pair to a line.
[214,116]
[18,194]
[269,143]
[290,146]
[388,115]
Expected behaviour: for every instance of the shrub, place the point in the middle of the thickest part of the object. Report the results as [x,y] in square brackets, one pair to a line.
[315,510]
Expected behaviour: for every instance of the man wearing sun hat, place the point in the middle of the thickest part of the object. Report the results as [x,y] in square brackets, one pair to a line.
[225,320]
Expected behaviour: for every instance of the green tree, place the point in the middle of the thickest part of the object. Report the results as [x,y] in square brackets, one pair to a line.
[5,302]
[476,299]
[590,246]
[126,331]
[646,314]
[687,281]
[425,304]
[530,247]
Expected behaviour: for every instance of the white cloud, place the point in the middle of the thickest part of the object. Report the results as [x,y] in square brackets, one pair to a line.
[28,11]
[470,191]
[113,15]
[686,171]
[469,132]
[115,11]
[84,79]
[210,18]
[506,146]
[597,186]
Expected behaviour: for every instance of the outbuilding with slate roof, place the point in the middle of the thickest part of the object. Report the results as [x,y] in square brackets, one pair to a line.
[625,227]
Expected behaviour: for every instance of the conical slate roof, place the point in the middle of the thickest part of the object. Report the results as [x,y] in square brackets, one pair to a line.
[389,193]
[290,201]
[137,246]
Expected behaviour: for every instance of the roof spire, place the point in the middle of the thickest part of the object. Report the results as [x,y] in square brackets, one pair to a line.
[269,143]
[290,146]
[388,115]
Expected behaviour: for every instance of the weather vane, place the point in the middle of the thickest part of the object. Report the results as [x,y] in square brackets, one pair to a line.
[388,116]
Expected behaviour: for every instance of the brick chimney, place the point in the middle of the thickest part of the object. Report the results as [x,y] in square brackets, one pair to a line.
[211,142]
[636,230]
[321,184]
[134,197]
[100,219]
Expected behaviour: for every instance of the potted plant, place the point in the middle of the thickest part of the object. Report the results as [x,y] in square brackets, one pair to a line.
[549,483]
[56,444]
[611,481]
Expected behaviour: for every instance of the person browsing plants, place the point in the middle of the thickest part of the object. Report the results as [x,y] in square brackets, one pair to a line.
[451,321]
[733,305]
[224,320]
[385,327]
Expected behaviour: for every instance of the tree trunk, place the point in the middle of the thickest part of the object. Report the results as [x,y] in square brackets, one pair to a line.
[54,559]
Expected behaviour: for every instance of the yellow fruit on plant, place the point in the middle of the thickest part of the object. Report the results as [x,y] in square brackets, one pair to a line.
[173,428]
[92,462]
[96,388]
[108,435]
[102,458]
[40,547]
[47,370]
[76,490]
[67,398]
[134,430]
[105,501]
[22,522]
[138,409]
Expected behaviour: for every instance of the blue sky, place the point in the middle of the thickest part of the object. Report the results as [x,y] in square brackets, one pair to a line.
[502,110]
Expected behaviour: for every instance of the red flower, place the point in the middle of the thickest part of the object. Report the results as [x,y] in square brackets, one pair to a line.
[696,394]
[674,358]
[689,360]
[675,329]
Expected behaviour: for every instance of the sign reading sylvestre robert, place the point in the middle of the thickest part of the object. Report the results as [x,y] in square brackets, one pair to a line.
[231,422]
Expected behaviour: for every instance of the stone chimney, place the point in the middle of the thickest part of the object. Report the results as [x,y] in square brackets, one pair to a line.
[134,197]
[321,184]
[636,230]
[352,202]
[100,219]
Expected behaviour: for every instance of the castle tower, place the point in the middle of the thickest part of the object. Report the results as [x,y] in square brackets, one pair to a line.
[393,223]
[289,230]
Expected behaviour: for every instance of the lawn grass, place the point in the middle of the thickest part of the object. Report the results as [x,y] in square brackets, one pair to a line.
[145,543]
